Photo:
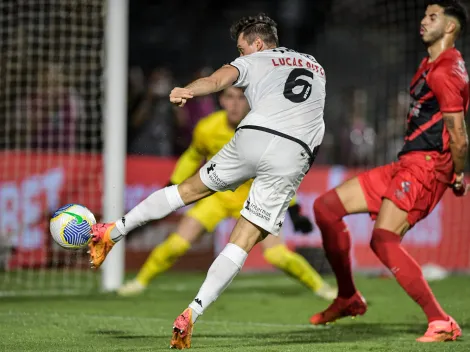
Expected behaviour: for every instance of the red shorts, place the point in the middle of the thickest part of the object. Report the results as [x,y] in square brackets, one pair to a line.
[410,183]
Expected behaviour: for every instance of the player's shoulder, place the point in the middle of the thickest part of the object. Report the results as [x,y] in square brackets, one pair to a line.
[282,50]
[451,65]
[449,60]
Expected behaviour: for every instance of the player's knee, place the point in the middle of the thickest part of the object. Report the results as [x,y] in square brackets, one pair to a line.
[328,208]
[381,239]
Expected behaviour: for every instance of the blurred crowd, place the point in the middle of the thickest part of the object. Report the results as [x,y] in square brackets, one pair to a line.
[155,126]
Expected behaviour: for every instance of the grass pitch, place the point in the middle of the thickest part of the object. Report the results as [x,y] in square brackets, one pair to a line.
[256,313]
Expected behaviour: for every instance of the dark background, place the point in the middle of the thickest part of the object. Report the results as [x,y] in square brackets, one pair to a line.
[369,49]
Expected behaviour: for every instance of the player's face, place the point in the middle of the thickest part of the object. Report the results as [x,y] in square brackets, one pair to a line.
[234,102]
[246,49]
[433,24]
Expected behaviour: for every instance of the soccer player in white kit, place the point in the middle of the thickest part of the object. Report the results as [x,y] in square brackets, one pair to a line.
[275,144]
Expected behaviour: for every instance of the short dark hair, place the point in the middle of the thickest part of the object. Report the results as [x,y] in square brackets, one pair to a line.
[256,26]
[453,8]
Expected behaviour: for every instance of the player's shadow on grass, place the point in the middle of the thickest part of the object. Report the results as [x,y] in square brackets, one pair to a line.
[338,333]
[271,290]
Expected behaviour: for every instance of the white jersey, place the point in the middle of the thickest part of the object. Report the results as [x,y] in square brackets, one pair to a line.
[286,93]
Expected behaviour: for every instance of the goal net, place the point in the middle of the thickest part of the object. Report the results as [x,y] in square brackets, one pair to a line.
[50,139]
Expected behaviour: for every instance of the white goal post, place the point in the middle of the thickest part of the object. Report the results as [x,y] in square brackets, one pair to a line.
[115,118]
[63,81]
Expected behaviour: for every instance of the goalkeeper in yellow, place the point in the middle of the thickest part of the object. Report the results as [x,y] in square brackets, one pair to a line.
[209,136]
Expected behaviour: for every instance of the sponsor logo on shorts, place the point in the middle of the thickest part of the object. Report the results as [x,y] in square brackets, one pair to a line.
[211,168]
[216,180]
[257,211]
[279,224]
[247,207]
[214,177]
[405,188]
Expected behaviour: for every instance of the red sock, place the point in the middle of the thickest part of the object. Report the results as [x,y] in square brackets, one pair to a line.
[329,213]
[388,248]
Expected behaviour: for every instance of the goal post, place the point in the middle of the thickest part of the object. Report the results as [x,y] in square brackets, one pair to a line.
[63,80]
[114,152]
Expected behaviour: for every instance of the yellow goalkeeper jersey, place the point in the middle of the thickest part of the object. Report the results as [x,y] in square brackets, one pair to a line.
[210,135]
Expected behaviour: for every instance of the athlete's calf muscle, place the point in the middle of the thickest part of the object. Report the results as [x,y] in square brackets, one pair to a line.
[245,234]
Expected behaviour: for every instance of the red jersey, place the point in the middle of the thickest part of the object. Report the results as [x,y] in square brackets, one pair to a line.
[437,87]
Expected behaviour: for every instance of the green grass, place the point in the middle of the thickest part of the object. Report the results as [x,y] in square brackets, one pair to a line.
[257,313]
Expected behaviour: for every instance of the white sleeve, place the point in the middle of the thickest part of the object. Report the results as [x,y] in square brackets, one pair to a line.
[243,65]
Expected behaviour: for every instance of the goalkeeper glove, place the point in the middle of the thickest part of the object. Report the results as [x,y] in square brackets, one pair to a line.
[459,185]
[301,222]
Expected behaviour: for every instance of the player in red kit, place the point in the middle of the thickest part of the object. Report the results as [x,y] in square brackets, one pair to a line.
[400,194]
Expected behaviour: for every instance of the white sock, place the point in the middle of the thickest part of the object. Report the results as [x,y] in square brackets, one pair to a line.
[221,273]
[156,206]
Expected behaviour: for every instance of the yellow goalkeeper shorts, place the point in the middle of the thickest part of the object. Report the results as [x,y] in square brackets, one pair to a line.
[213,209]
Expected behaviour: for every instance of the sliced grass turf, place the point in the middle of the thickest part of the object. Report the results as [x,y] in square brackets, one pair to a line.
[257,313]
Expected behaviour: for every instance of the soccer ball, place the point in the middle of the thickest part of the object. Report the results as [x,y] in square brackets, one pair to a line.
[71,226]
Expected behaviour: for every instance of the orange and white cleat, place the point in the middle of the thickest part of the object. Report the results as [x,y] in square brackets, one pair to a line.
[100,244]
[340,308]
[441,331]
[182,330]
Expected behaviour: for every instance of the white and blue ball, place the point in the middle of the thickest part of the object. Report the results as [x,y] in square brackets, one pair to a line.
[71,226]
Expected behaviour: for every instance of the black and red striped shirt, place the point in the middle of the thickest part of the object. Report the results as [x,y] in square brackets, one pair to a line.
[437,87]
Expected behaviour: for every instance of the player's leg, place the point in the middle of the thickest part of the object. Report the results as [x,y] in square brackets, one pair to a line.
[358,195]
[397,214]
[264,211]
[221,273]
[156,206]
[227,265]
[295,265]
[329,210]
[225,171]
[203,216]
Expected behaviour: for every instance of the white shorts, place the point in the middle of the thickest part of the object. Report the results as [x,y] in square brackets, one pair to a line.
[277,165]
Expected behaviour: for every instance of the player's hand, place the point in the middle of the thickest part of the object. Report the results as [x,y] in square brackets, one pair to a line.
[301,223]
[459,186]
[179,96]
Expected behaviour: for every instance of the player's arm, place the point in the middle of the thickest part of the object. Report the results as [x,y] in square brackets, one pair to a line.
[223,78]
[448,84]
[455,124]
[191,159]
